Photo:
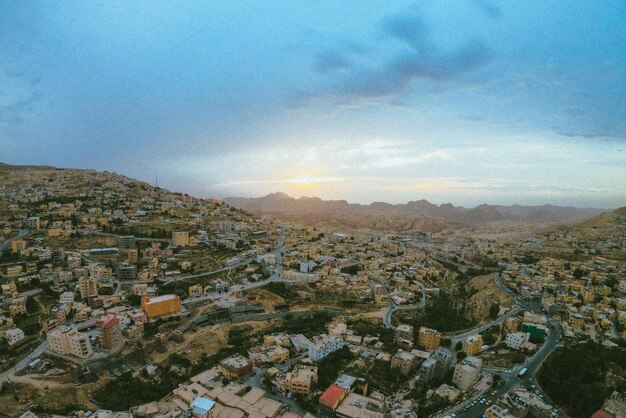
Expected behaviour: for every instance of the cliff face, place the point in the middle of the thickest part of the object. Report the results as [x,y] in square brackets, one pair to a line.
[486,294]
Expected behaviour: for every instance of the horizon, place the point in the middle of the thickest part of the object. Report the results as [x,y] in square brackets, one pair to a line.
[466,103]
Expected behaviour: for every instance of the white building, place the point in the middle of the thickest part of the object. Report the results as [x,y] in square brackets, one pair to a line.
[67,340]
[66,297]
[515,340]
[467,373]
[13,335]
[323,345]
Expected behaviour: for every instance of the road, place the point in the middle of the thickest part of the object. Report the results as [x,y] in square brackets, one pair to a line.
[456,338]
[276,277]
[394,307]
[25,361]
[532,364]
[7,243]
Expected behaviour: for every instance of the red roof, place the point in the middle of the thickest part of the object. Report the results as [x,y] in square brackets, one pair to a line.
[333,395]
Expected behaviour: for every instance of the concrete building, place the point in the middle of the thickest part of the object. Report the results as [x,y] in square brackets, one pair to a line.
[87,287]
[180,238]
[126,271]
[160,306]
[235,366]
[110,332]
[516,339]
[301,379]
[13,335]
[403,361]
[472,344]
[17,306]
[359,406]
[467,373]
[428,338]
[68,341]
[330,400]
[126,242]
[32,222]
[404,331]
[67,297]
[18,245]
[536,325]
[323,345]
[443,358]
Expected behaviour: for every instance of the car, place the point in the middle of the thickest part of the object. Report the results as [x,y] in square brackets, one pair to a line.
[489,402]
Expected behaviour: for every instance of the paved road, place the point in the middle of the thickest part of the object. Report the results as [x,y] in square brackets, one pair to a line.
[395,307]
[25,361]
[456,338]
[7,243]
[532,364]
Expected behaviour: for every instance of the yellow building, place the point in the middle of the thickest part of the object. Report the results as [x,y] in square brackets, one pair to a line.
[429,339]
[160,306]
[180,238]
[472,344]
[195,290]
[14,270]
[18,245]
[54,232]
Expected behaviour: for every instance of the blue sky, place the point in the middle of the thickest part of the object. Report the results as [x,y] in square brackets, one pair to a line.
[463,102]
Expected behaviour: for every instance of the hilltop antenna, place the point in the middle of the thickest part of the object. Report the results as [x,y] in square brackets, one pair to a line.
[156,181]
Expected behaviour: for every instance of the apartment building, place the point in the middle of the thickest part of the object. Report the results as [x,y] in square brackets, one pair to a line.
[472,344]
[160,306]
[68,341]
[403,361]
[428,338]
[515,340]
[467,373]
[235,366]
[110,332]
[323,345]
[180,238]
[301,379]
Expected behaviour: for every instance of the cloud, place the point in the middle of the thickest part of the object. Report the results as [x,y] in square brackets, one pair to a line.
[589,134]
[331,60]
[424,61]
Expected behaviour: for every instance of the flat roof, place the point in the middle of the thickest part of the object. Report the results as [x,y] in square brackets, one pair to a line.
[161,298]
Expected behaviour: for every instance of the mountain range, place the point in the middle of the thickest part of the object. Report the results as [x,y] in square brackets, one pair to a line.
[430,216]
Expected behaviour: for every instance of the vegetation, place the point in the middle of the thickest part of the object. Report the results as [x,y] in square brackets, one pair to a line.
[282,290]
[331,365]
[579,378]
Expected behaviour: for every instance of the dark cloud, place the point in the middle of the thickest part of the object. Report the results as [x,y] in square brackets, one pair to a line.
[424,60]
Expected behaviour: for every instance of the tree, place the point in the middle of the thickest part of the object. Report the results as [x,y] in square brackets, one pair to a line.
[494,310]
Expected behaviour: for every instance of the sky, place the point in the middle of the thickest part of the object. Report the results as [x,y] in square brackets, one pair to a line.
[466,102]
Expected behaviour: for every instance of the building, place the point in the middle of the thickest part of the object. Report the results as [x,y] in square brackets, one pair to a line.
[18,306]
[536,325]
[330,400]
[127,271]
[13,335]
[404,331]
[359,406]
[126,242]
[444,358]
[160,306]
[180,238]
[18,245]
[497,411]
[403,361]
[516,339]
[235,366]
[301,379]
[467,373]
[68,341]
[323,345]
[472,344]
[429,339]
[201,407]
[427,370]
[87,287]
[66,297]
[32,222]
[110,332]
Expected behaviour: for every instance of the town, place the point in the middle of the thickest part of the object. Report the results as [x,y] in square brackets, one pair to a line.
[121,299]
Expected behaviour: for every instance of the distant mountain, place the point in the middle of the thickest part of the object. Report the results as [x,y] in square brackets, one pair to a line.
[438,216]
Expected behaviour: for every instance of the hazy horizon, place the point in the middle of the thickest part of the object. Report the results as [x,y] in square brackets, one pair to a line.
[465,102]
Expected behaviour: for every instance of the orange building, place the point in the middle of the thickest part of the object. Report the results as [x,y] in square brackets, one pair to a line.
[157,307]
